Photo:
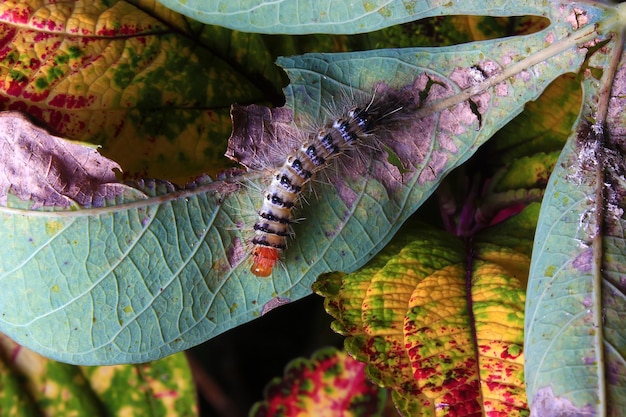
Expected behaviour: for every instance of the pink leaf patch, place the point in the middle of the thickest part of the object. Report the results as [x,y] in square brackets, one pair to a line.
[51,171]
[330,384]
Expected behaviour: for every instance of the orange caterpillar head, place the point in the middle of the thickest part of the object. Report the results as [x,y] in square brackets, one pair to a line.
[263,260]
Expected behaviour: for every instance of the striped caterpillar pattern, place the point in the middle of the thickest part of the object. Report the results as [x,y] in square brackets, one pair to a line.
[272,228]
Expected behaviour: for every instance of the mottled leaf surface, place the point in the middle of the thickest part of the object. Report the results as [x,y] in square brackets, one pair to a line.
[141,81]
[50,171]
[36,386]
[331,383]
[440,322]
[161,269]
[576,308]
[332,16]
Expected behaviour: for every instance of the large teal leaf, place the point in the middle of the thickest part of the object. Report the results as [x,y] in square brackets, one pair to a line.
[332,16]
[158,270]
[575,343]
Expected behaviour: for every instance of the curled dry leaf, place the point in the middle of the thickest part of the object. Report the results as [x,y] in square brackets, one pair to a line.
[49,170]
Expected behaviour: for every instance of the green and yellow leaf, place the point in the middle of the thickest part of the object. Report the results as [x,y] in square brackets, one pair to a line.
[34,386]
[440,321]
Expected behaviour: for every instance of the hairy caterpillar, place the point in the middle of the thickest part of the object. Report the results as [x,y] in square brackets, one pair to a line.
[356,128]
[272,227]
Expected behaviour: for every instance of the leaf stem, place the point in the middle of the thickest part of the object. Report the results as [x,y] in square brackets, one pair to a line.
[584,35]
[603,143]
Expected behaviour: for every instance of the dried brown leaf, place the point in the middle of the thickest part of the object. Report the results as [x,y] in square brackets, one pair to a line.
[49,170]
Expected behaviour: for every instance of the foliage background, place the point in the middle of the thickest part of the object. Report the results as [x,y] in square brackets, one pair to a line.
[243,359]
[261,349]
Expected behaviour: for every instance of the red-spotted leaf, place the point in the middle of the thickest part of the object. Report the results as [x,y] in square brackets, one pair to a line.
[440,322]
[140,81]
[329,384]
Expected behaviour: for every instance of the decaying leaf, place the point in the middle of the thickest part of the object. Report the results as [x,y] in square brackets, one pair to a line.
[254,140]
[51,171]
[576,306]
